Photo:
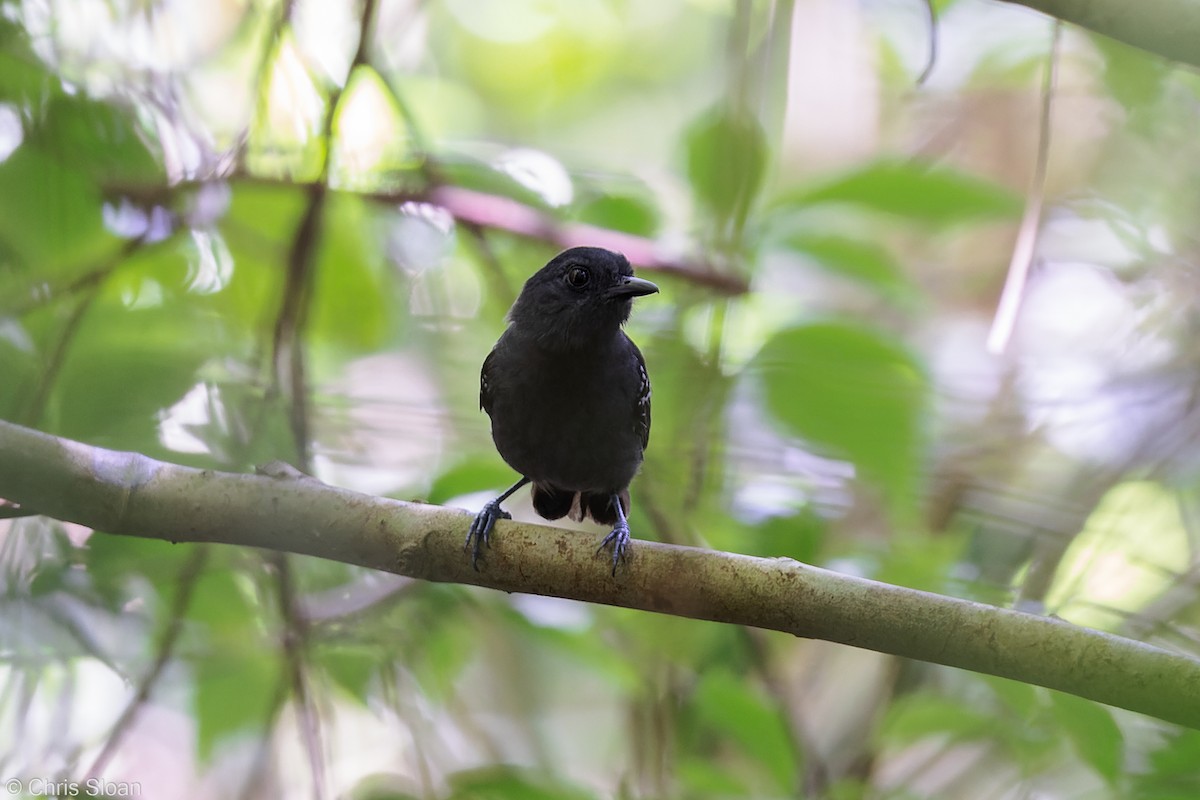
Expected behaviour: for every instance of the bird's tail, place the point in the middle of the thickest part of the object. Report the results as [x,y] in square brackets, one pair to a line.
[551,502]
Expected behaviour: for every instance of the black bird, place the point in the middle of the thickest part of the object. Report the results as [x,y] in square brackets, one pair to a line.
[568,395]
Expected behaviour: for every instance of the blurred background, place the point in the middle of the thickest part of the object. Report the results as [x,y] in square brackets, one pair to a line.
[239,231]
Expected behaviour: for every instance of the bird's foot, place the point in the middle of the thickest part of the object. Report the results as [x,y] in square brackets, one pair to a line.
[619,540]
[481,530]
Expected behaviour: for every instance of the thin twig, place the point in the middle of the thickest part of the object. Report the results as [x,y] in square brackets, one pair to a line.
[933,43]
[1022,256]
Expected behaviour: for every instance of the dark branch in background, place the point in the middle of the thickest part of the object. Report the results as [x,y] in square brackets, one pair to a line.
[502,213]
[288,348]
[492,212]
[35,403]
[287,343]
[1169,28]
[131,494]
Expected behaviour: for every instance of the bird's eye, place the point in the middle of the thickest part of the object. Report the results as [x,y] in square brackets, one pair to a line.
[578,277]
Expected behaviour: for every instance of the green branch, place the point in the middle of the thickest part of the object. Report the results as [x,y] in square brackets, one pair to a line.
[131,494]
[1169,28]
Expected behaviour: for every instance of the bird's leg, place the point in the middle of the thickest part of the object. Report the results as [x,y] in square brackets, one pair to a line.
[485,520]
[618,538]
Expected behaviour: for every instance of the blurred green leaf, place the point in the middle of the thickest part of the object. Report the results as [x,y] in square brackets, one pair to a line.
[100,138]
[1092,731]
[1171,773]
[1135,77]
[800,536]
[1020,698]
[848,389]
[727,703]
[925,193]
[469,173]
[352,305]
[352,666]
[472,475]
[707,778]
[19,364]
[113,561]
[583,647]
[237,672]
[49,212]
[726,161]
[382,786]
[234,691]
[442,650]
[625,213]
[511,783]
[22,76]
[856,259]
[155,349]
[916,716]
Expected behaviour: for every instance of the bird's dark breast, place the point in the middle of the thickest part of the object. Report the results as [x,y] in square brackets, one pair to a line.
[567,419]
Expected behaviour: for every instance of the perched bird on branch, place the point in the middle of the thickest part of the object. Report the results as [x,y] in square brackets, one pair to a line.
[568,395]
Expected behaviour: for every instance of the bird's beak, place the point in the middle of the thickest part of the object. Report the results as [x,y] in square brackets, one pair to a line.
[632,287]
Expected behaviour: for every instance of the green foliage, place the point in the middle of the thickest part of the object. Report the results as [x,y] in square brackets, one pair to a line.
[49,215]
[861,261]
[726,704]
[846,388]
[237,677]
[726,161]
[1093,732]
[154,218]
[933,195]
[510,783]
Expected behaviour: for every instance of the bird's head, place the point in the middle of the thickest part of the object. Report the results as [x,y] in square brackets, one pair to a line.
[582,294]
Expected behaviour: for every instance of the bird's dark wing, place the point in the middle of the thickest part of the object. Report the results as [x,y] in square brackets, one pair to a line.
[485,392]
[641,413]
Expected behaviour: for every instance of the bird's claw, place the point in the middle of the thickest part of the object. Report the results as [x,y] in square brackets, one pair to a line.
[619,540]
[481,530]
